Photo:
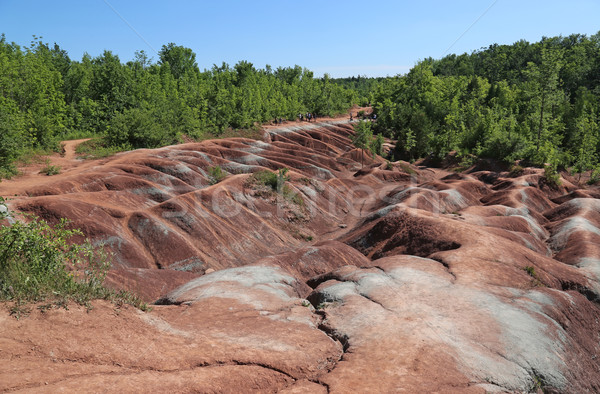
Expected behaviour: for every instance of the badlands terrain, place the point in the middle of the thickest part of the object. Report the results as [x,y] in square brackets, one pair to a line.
[388,278]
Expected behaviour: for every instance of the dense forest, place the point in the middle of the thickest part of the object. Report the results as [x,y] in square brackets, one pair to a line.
[537,102]
[46,97]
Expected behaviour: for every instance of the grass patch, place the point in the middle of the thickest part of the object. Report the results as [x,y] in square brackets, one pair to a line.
[269,184]
[97,148]
[551,176]
[466,162]
[264,178]
[292,196]
[38,263]
[515,171]
[594,176]
[216,175]
[50,169]
[312,183]
[535,281]
[274,180]
[530,271]
[306,181]
[8,171]
[407,169]
[77,135]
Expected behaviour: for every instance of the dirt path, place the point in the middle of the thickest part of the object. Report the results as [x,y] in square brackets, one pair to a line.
[69,148]
[30,176]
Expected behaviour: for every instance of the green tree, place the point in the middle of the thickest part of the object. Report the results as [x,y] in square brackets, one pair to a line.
[179,59]
[544,93]
[377,145]
[585,142]
[363,136]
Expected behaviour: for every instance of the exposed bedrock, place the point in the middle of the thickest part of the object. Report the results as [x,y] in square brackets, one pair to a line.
[378,278]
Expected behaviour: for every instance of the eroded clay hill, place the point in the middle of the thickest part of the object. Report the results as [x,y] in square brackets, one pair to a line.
[383,279]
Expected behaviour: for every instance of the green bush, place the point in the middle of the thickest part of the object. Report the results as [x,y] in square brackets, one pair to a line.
[274,180]
[276,183]
[551,175]
[97,148]
[50,169]
[377,145]
[515,171]
[39,263]
[408,169]
[216,175]
[292,196]
[530,271]
[594,176]
[282,178]
[266,178]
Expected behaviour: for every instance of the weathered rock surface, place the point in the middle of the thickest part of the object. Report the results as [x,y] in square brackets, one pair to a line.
[392,277]
[241,329]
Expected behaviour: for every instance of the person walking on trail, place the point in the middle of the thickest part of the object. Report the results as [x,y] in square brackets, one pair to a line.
[350,116]
[300,117]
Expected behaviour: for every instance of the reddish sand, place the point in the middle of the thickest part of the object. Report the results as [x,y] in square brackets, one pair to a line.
[392,277]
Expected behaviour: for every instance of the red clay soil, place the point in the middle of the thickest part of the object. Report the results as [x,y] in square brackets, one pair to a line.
[385,278]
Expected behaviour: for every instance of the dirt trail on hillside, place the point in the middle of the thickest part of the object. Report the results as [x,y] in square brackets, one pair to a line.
[69,148]
[30,176]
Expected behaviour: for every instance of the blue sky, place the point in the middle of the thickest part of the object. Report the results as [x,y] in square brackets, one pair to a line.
[374,38]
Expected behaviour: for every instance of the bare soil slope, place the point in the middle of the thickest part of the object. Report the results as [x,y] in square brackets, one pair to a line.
[385,278]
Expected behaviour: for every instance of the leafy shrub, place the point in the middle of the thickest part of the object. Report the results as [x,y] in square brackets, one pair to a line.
[216,174]
[38,262]
[138,128]
[363,137]
[377,145]
[282,178]
[466,162]
[535,281]
[276,183]
[292,196]
[50,169]
[408,169]
[551,175]
[530,271]
[594,176]
[97,148]
[515,171]
[265,178]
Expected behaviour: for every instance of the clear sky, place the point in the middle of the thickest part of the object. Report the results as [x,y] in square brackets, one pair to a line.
[342,38]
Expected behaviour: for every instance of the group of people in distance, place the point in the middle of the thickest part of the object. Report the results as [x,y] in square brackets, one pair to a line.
[308,117]
[301,117]
[370,116]
[312,117]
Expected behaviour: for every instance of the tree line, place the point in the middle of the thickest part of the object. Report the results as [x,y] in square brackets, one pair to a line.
[537,102]
[46,97]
